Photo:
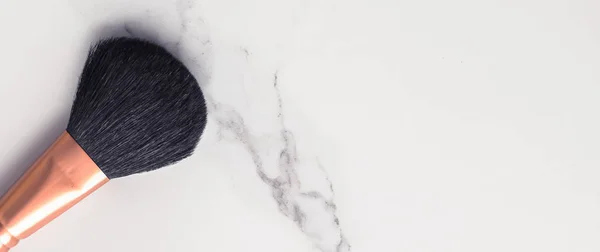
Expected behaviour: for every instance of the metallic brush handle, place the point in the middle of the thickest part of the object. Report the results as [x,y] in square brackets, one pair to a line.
[3,233]
[3,248]
[59,179]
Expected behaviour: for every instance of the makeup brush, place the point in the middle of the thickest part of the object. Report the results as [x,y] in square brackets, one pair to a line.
[137,109]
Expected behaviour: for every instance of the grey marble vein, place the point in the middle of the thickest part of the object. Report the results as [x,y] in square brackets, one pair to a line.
[287,161]
[286,188]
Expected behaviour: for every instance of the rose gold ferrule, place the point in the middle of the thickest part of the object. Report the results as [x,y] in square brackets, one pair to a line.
[60,178]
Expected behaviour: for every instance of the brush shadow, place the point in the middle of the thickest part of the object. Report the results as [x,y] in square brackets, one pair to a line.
[20,163]
[142,27]
[132,28]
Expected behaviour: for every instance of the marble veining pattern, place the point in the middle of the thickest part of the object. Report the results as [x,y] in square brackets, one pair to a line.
[286,188]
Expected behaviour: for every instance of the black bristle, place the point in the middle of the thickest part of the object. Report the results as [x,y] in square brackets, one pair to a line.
[137,108]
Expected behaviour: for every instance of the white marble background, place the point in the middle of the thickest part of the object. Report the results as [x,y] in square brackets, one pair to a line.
[334,125]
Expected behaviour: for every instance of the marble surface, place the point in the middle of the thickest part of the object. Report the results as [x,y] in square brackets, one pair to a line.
[334,126]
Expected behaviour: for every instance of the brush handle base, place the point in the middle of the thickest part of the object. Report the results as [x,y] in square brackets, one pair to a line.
[59,179]
[7,240]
